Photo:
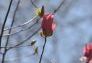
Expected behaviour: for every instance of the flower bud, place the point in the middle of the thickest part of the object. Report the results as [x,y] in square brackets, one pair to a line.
[48,25]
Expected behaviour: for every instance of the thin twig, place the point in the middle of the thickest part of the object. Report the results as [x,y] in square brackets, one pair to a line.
[2,31]
[3,57]
[21,24]
[7,41]
[22,42]
[16,46]
[33,4]
[43,50]
[62,2]
[20,30]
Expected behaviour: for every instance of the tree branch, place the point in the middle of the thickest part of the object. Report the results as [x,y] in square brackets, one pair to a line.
[16,46]
[21,30]
[22,42]
[56,10]
[2,31]
[21,24]
[33,4]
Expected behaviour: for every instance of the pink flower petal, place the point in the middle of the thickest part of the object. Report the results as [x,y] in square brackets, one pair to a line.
[53,26]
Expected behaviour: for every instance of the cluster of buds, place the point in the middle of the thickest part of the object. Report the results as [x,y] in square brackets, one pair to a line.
[48,24]
[87,53]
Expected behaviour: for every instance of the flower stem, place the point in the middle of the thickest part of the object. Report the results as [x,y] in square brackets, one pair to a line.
[43,50]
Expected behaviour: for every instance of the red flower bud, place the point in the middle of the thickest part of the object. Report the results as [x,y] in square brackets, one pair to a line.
[48,25]
[87,51]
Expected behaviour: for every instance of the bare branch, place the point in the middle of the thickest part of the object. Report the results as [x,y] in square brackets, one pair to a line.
[22,42]
[21,30]
[33,4]
[2,31]
[17,46]
[62,2]
[21,24]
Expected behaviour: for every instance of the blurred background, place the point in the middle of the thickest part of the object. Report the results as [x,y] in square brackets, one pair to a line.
[73,31]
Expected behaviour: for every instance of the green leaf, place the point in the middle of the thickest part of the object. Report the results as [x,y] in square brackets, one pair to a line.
[36,51]
[40,11]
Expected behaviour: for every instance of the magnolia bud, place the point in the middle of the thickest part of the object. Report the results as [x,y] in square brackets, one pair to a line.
[48,25]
